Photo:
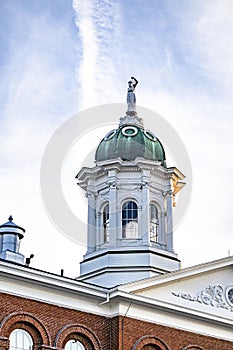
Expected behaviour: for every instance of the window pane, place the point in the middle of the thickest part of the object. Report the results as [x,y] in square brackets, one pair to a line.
[20,340]
[74,344]
[153,223]
[130,220]
[106,223]
[153,212]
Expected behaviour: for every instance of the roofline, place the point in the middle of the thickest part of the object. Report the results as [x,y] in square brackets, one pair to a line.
[55,281]
[177,274]
[116,294]
[170,308]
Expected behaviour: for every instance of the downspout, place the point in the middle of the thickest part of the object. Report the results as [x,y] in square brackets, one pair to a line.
[105,301]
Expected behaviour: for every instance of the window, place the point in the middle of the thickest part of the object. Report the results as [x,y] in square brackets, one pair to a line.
[20,340]
[1,243]
[153,223]
[130,220]
[74,344]
[105,219]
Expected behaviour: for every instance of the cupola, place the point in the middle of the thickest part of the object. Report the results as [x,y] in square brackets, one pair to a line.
[10,237]
[130,195]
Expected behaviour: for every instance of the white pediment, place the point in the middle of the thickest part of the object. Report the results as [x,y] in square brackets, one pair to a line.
[206,289]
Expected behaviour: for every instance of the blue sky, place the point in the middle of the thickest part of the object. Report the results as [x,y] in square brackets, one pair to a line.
[59,57]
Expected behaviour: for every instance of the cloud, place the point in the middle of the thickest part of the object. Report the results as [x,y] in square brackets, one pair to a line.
[214,33]
[202,45]
[98,24]
[182,56]
[39,92]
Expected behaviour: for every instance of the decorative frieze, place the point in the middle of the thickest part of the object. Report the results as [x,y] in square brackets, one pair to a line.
[216,296]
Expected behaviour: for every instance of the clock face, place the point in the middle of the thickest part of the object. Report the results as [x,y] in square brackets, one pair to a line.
[229,295]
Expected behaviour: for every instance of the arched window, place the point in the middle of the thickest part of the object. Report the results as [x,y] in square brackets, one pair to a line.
[130,220]
[153,223]
[105,220]
[74,344]
[151,347]
[20,340]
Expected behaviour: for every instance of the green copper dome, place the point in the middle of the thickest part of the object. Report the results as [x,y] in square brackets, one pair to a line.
[129,142]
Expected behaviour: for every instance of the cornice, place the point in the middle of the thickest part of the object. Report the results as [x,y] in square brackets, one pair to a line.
[178,274]
[17,272]
[118,165]
[170,309]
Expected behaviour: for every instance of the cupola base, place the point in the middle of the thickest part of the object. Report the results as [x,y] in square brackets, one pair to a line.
[112,267]
[12,256]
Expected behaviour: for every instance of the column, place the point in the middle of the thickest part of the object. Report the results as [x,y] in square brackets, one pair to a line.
[169,221]
[91,232]
[112,213]
[99,230]
[144,218]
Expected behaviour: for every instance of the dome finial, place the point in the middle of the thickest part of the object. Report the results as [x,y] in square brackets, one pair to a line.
[10,218]
[131,98]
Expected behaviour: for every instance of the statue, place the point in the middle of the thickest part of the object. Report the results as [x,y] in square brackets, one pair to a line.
[131,99]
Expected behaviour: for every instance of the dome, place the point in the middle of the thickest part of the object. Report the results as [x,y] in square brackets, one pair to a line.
[129,142]
[11,228]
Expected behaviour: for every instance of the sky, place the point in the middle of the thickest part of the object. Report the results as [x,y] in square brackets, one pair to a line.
[60,57]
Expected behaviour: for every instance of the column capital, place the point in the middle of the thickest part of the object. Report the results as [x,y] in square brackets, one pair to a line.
[145,183]
[112,184]
[167,193]
[90,194]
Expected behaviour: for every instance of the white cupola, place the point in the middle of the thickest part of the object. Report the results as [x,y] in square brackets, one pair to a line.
[10,237]
[130,195]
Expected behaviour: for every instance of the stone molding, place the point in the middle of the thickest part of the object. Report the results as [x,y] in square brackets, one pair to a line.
[29,323]
[78,331]
[149,340]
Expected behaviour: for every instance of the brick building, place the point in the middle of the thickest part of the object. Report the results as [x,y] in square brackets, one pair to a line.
[131,292]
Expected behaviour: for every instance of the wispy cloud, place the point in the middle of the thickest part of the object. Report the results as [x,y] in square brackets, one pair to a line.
[98,24]
[38,94]
[213,39]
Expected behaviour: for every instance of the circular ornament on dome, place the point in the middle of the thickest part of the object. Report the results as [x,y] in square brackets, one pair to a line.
[129,131]
[110,135]
[229,295]
[150,135]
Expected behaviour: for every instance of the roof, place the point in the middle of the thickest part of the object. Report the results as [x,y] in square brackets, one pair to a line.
[129,142]
[192,299]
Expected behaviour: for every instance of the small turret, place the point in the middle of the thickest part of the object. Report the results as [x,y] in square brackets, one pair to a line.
[10,237]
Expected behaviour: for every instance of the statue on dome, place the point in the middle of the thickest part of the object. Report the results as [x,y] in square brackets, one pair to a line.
[131,98]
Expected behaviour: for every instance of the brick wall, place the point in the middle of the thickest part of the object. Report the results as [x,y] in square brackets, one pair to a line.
[51,326]
[139,334]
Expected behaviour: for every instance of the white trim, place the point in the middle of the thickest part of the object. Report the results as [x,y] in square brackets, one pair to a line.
[110,135]
[174,276]
[150,135]
[124,129]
